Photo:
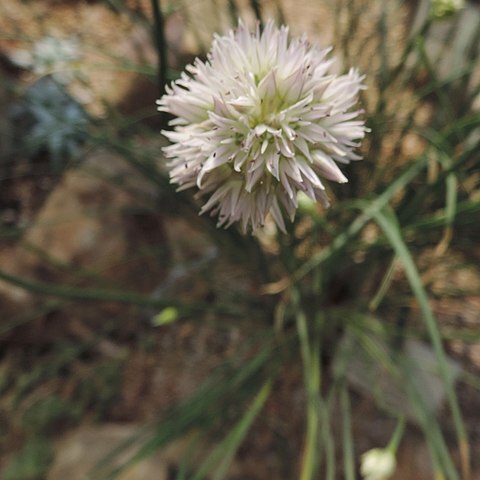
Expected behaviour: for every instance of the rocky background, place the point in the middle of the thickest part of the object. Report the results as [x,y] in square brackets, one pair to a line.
[86,211]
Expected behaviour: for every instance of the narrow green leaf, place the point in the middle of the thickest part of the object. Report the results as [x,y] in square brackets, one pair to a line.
[348,451]
[440,456]
[387,221]
[221,458]
[312,382]
[104,295]
[369,211]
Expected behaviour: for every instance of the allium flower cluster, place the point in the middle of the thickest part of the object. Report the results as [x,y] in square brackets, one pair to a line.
[262,119]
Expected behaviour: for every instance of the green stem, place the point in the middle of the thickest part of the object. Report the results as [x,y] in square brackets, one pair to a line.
[348,450]
[311,369]
[103,295]
[389,225]
[255,5]
[397,435]
[161,45]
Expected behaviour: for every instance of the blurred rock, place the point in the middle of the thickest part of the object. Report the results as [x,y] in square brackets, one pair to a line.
[101,76]
[92,222]
[413,459]
[77,454]
[369,377]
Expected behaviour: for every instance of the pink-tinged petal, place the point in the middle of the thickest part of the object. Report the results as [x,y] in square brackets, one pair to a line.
[291,87]
[214,161]
[277,215]
[264,146]
[240,159]
[328,167]
[243,103]
[252,179]
[303,146]
[272,164]
[268,85]
[309,173]
[215,198]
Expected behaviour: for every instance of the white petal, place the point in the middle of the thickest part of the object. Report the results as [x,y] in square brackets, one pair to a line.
[327,167]
[277,215]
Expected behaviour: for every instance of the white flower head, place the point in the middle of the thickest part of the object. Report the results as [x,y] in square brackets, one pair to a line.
[262,119]
[378,464]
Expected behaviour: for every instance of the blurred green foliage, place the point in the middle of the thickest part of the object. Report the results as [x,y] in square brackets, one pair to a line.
[340,280]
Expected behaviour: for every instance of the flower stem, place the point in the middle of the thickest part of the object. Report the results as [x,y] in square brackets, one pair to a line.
[397,435]
[255,5]
[311,369]
[160,45]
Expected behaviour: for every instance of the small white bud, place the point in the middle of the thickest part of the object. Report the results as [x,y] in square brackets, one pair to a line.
[377,464]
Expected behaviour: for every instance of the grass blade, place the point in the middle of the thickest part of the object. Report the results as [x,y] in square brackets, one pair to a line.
[387,221]
[220,459]
[348,451]
[368,213]
[312,376]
